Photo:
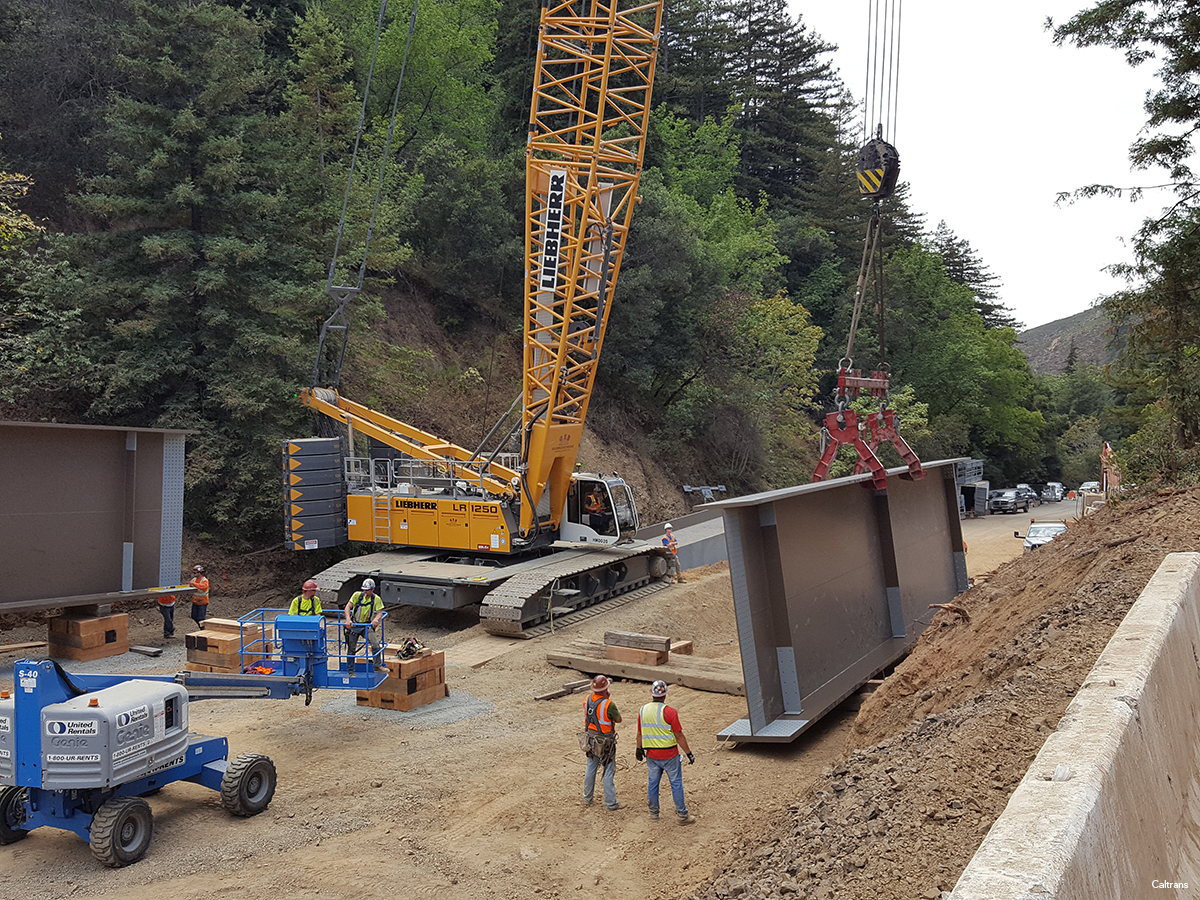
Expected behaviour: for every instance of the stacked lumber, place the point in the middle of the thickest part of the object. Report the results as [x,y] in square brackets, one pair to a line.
[218,648]
[699,673]
[84,638]
[642,649]
[410,683]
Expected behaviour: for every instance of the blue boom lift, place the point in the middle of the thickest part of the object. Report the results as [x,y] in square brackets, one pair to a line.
[80,752]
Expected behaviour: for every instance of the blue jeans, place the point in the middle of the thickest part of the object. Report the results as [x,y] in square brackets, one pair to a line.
[199,613]
[610,787]
[674,771]
[168,614]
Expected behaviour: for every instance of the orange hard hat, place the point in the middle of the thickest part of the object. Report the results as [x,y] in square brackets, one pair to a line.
[599,684]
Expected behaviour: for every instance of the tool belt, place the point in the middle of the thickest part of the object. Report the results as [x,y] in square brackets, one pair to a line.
[596,745]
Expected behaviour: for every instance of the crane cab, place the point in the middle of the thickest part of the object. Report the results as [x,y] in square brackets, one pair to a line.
[600,510]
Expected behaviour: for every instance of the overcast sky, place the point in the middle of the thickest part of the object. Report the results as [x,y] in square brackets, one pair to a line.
[993,121]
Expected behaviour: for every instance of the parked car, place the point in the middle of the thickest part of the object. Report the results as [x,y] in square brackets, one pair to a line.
[1032,498]
[1052,492]
[1007,500]
[1090,487]
[1040,533]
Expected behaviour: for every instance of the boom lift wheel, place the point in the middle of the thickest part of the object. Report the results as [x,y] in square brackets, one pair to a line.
[12,814]
[121,831]
[248,784]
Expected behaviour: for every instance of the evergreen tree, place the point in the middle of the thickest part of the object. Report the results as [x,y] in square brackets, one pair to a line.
[197,287]
[788,92]
[964,266]
[57,65]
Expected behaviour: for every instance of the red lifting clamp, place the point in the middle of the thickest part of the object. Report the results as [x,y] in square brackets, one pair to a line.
[844,428]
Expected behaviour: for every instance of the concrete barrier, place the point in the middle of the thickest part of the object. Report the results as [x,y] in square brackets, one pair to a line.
[1111,806]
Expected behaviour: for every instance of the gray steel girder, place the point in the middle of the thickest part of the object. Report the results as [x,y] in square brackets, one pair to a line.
[832,583]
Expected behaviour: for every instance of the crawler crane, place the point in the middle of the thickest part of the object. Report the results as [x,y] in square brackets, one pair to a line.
[511,526]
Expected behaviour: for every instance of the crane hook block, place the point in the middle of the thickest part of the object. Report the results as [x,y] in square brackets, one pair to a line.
[878,169]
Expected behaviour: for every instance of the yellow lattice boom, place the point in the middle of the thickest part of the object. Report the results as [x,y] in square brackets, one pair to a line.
[587,135]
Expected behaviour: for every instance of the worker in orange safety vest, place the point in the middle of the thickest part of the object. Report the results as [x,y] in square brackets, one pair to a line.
[673,545]
[200,598]
[600,718]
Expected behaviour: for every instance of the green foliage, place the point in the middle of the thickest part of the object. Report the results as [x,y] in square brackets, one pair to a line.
[1154,455]
[1163,313]
[16,228]
[57,65]
[444,93]
[195,293]
[964,267]
[697,160]
[1079,449]
[971,375]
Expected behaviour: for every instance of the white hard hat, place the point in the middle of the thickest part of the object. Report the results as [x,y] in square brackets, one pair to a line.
[667,527]
[658,689]
[368,584]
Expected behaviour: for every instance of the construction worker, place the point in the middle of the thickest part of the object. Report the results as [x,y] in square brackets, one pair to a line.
[308,603]
[600,718]
[166,606]
[364,613]
[200,598]
[595,504]
[659,739]
[673,545]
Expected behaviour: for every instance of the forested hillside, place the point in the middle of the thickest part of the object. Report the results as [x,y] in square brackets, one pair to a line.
[173,180]
[1086,338]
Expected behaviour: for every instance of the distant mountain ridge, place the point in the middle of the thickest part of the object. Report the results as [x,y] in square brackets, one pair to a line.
[1048,346]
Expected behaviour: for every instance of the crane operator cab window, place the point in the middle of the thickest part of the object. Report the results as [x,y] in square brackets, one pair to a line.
[599,510]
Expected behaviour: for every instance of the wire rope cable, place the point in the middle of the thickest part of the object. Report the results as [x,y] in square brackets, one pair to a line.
[342,294]
[882,84]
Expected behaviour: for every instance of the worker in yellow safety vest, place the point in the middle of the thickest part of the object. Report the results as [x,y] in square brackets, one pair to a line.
[200,598]
[364,614]
[308,603]
[660,737]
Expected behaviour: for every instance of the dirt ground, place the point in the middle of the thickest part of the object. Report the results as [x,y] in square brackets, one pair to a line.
[482,799]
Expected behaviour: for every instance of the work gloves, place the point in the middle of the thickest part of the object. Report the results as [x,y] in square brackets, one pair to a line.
[640,754]
[691,759]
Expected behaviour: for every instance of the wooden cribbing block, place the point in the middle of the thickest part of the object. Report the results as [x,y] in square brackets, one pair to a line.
[684,647]
[407,668]
[403,702]
[196,667]
[88,628]
[411,685]
[227,661]
[637,641]
[78,654]
[639,657]
[84,638]
[233,626]
[214,642]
